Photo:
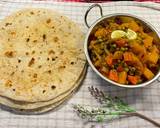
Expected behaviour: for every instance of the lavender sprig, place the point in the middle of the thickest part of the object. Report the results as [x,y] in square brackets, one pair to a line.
[111,107]
[112,103]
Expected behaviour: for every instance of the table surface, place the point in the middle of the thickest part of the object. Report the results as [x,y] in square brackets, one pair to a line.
[86,1]
[145,100]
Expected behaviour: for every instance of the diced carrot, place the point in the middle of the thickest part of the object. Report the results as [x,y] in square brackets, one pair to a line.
[127,56]
[113,75]
[120,68]
[121,42]
[109,59]
[133,79]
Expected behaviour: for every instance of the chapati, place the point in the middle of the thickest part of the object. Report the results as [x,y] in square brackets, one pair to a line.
[41,55]
[37,105]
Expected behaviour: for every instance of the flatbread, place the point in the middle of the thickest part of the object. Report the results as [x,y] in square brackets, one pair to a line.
[42,110]
[41,55]
[52,106]
[36,105]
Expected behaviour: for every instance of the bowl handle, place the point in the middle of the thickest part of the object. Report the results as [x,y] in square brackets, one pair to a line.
[86,14]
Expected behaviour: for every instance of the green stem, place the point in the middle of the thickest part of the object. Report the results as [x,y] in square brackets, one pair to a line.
[132,114]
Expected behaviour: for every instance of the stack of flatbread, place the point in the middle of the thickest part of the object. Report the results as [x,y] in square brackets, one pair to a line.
[41,60]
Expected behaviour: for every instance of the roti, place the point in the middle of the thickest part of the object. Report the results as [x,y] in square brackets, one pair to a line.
[37,105]
[42,110]
[41,55]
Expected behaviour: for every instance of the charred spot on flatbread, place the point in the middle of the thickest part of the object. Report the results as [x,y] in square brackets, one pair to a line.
[10,54]
[31,62]
[53,87]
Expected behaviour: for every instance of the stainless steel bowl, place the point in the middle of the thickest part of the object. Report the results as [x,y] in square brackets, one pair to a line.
[103,18]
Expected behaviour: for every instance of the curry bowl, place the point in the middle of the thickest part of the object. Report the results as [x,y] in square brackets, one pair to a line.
[123,49]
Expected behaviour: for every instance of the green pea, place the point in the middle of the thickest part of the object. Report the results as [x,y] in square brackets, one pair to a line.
[126,49]
[114,45]
[115,66]
[126,69]
[140,81]
[122,49]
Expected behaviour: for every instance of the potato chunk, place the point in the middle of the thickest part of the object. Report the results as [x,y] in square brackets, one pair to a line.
[148,74]
[118,55]
[148,41]
[137,48]
[134,26]
[153,56]
[101,32]
[122,77]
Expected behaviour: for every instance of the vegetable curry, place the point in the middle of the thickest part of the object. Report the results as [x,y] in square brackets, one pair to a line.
[124,50]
